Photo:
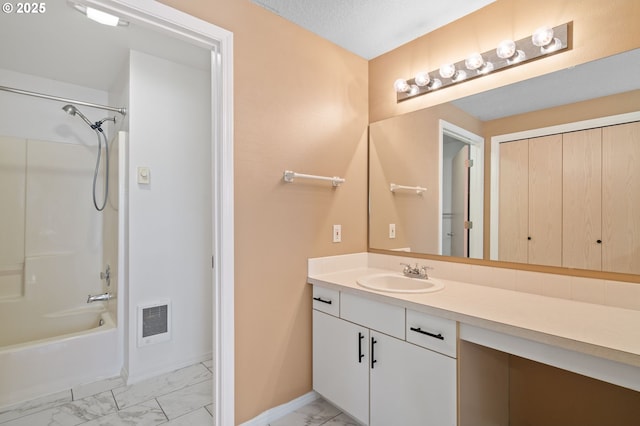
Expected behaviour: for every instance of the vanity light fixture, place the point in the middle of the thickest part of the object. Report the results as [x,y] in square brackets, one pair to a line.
[99,16]
[543,42]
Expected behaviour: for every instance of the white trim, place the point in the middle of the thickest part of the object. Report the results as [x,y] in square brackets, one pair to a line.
[620,374]
[188,28]
[281,410]
[534,133]
[476,141]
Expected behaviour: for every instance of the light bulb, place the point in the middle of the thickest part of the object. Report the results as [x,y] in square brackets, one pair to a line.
[422,79]
[506,49]
[401,85]
[554,45]
[447,70]
[413,90]
[474,61]
[435,84]
[459,75]
[542,36]
[486,68]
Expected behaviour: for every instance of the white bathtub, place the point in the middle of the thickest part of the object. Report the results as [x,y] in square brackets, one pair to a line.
[44,366]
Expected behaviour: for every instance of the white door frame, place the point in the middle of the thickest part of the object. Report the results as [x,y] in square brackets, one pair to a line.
[220,41]
[476,143]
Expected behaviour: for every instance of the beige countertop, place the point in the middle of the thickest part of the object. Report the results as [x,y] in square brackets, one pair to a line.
[602,331]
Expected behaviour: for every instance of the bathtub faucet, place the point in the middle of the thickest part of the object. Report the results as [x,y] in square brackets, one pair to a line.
[99,297]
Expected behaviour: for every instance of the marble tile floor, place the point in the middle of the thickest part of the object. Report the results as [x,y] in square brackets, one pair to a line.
[316,413]
[180,398]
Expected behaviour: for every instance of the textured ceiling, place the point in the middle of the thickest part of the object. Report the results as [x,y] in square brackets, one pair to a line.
[370,28]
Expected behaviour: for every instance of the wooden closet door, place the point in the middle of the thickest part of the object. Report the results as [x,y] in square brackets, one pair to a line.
[513,207]
[545,200]
[582,199]
[621,198]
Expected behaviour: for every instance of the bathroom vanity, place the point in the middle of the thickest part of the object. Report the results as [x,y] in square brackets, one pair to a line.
[441,357]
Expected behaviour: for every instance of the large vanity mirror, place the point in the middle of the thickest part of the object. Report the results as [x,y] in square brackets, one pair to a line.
[427,184]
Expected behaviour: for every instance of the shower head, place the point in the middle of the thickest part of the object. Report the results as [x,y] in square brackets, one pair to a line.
[72,110]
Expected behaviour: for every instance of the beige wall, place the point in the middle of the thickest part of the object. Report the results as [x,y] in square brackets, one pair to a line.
[300,104]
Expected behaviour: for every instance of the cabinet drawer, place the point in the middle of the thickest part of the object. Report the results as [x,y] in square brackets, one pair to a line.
[388,319]
[326,300]
[433,333]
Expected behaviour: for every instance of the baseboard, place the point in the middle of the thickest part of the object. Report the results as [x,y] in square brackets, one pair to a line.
[158,370]
[281,410]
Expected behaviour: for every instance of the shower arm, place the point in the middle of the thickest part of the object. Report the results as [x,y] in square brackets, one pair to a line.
[121,110]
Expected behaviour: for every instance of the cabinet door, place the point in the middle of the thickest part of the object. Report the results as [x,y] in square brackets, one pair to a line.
[410,385]
[513,210]
[545,200]
[621,198]
[341,364]
[582,199]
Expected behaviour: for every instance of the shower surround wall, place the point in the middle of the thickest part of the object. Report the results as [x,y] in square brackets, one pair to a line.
[51,245]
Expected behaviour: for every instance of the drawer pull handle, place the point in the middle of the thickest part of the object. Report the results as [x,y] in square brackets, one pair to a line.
[373,357]
[320,299]
[360,354]
[418,330]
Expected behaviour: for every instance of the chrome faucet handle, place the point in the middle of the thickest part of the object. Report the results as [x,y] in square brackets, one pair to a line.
[106,275]
[408,268]
[424,270]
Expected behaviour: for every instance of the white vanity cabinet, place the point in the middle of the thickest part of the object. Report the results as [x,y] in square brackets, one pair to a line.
[341,364]
[363,364]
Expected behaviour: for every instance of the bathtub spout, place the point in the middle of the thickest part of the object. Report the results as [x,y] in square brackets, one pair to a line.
[99,297]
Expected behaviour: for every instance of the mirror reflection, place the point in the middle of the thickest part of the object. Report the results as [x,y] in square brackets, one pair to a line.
[434,147]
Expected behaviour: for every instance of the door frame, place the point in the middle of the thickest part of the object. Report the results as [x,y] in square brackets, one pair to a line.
[219,41]
[476,187]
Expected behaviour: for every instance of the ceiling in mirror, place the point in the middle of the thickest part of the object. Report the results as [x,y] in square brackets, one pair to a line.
[615,74]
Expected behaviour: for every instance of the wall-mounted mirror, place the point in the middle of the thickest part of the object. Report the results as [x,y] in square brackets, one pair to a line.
[432,149]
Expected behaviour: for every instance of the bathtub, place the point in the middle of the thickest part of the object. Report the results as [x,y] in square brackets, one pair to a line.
[53,364]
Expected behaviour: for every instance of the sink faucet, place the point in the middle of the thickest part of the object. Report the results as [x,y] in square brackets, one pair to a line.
[99,297]
[415,271]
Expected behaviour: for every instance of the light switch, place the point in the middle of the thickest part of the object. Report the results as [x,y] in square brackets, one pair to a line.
[337,233]
[392,230]
[144,175]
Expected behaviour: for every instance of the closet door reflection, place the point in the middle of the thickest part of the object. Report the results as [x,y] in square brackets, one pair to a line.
[621,198]
[582,199]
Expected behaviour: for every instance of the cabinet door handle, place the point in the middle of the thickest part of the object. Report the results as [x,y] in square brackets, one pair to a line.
[418,330]
[360,354]
[373,357]
[320,299]
[599,241]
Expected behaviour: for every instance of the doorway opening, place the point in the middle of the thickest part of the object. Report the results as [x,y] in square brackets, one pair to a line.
[461,192]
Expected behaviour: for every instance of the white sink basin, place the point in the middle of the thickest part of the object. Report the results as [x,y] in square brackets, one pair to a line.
[398,283]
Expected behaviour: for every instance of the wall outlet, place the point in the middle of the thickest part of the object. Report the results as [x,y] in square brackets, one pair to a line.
[337,233]
[392,230]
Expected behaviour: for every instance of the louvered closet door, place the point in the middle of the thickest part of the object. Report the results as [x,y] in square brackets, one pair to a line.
[545,200]
[582,199]
[621,198]
[513,202]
